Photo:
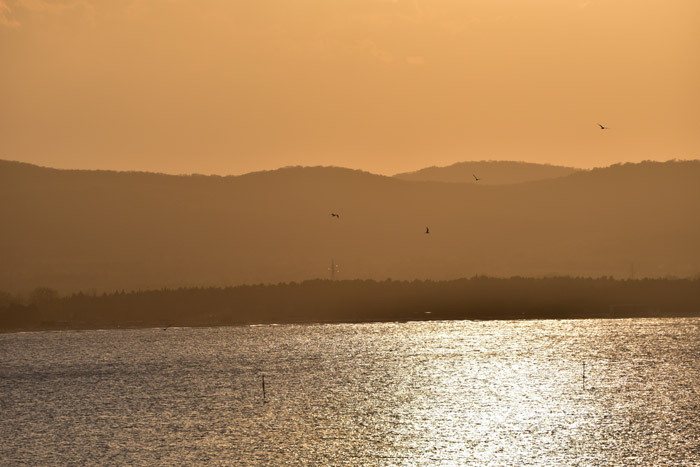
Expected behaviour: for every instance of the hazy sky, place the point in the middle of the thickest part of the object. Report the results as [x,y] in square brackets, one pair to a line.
[231,86]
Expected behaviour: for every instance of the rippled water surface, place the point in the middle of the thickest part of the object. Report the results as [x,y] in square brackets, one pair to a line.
[429,393]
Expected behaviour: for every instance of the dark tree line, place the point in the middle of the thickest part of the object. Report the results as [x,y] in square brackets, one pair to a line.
[360,300]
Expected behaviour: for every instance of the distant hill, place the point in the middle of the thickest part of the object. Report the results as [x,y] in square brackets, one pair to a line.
[489,172]
[100,230]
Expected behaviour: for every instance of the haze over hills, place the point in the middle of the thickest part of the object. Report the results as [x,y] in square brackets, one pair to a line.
[489,172]
[81,230]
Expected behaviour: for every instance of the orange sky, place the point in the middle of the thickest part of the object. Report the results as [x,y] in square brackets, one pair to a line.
[231,86]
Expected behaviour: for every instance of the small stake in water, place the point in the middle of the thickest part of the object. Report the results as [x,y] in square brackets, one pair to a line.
[263,387]
[584,376]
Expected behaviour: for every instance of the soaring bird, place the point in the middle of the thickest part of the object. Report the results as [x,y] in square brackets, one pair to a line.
[603,127]
[335,215]
[427,230]
[476,178]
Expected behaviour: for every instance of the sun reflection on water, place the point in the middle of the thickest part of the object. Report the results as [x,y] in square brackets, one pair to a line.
[429,393]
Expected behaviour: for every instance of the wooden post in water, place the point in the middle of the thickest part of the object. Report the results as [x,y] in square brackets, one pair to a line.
[584,376]
[263,388]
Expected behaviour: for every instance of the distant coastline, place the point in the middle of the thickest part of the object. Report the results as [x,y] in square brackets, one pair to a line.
[324,301]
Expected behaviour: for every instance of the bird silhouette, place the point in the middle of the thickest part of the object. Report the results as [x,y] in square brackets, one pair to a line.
[335,215]
[427,230]
[476,178]
[603,127]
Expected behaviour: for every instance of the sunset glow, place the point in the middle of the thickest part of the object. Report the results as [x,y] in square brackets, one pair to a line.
[228,87]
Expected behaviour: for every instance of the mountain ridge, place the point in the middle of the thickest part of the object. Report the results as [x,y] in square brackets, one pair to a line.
[490,172]
[103,230]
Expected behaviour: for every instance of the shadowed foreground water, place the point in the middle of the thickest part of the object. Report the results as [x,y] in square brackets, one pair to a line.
[428,393]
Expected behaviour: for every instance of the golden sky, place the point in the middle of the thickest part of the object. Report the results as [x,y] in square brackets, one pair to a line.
[232,86]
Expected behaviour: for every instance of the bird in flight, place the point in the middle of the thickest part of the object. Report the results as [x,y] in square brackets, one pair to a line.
[335,215]
[602,127]
[427,230]
[476,178]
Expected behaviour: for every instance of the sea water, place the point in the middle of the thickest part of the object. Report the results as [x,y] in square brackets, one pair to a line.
[459,393]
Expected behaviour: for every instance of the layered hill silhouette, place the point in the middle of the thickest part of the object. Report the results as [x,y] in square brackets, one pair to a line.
[81,230]
[489,172]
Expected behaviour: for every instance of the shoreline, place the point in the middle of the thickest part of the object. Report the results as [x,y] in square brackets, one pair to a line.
[131,327]
[357,301]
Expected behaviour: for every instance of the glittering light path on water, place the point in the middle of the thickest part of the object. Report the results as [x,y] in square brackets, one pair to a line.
[429,393]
